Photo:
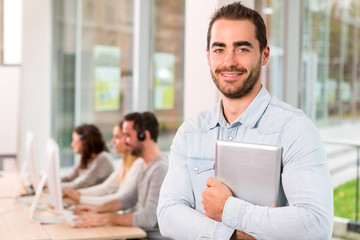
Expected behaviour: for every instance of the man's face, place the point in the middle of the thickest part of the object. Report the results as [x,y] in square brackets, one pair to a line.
[133,144]
[118,140]
[234,57]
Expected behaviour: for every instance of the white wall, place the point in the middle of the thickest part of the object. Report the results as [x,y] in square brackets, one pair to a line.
[200,92]
[9,105]
[35,85]
[199,89]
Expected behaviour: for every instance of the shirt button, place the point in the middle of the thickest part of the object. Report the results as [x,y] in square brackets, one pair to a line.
[196,169]
[230,138]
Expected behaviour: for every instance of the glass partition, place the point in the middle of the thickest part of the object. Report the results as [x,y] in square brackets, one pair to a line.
[331,80]
[168,68]
[93,70]
[273,14]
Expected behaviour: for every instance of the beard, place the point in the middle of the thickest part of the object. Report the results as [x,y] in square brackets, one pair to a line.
[135,151]
[243,89]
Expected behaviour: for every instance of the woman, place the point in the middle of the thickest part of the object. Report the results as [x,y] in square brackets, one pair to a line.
[95,163]
[124,176]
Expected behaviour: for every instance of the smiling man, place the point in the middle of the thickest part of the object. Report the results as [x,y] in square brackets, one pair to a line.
[195,205]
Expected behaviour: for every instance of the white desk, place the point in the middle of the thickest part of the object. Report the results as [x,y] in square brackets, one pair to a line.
[15,223]
[7,184]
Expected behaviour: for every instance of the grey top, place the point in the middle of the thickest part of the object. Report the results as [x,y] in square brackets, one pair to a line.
[96,172]
[144,195]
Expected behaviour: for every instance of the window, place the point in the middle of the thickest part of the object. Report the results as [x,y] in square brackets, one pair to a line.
[273,14]
[331,77]
[94,72]
[168,68]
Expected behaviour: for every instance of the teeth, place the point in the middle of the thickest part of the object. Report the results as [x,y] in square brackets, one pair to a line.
[230,75]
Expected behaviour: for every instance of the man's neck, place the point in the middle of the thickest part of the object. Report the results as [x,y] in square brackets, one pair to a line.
[233,108]
[150,152]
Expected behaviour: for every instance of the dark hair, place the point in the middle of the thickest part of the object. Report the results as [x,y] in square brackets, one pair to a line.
[92,143]
[237,11]
[144,121]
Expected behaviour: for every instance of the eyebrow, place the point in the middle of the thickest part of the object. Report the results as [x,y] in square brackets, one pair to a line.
[235,44]
[217,44]
[243,43]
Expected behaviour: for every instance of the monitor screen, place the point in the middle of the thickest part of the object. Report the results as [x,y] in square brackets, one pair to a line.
[53,175]
[32,160]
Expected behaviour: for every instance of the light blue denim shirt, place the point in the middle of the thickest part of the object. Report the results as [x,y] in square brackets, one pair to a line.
[308,212]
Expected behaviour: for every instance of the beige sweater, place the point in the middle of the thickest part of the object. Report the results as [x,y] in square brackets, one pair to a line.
[95,173]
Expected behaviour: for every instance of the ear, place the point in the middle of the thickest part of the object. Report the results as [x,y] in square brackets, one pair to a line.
[147,135]
[265,55]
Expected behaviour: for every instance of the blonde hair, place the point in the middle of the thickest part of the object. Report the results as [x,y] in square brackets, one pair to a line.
[127,160]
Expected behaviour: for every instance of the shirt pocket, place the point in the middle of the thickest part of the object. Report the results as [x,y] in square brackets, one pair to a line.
[200,170]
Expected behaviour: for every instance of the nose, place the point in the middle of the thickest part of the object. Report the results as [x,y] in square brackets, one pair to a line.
[230,59]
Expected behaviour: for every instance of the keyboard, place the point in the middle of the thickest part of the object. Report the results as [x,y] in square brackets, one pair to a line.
[69,217]
[48,219]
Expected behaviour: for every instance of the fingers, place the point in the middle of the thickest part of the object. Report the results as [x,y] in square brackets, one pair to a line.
[212,182]
[80,221]
[80,208]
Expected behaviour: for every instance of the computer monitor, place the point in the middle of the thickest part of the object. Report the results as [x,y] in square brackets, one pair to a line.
[32,160]
[53,172]
[29,167]
[52,177]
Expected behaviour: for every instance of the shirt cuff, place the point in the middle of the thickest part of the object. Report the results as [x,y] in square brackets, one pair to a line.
[222,232]
[233,212]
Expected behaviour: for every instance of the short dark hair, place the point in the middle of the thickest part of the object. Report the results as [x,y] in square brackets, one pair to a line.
[92,143]
[237,11]
[146,120]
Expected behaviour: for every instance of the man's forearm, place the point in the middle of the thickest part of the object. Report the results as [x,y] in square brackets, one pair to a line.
[121,219]
[111,206]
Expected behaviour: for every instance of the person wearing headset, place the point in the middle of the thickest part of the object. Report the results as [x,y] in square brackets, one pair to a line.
[117,182]
[95,164]
[140,131]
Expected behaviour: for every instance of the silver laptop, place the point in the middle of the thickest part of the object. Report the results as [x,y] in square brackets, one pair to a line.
[251,171]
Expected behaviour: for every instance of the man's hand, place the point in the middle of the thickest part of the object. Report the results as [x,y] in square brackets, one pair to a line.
[241,236]
[91,219]
[214,198]
[73,194]
[87,208]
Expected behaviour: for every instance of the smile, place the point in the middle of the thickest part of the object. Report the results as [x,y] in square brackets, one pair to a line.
[231,75]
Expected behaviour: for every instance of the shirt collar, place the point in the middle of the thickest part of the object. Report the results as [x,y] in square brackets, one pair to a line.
[249,117]
[256,109]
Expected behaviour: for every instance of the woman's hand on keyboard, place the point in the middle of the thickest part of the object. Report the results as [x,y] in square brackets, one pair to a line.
[72,194]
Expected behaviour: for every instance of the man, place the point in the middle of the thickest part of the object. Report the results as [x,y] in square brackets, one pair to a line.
[193,204]
[140,132]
